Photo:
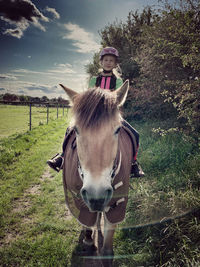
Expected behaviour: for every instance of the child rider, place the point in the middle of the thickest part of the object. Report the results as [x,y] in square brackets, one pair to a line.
[105,80]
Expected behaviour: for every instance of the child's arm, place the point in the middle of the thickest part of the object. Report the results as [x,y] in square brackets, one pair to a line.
[119,83]
[92,82]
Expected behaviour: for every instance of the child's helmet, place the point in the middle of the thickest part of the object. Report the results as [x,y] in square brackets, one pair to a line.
[109,51]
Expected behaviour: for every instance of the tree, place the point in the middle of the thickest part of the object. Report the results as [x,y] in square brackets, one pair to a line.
[159,54]
[169,58]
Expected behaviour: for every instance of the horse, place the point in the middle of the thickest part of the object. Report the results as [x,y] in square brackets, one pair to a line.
[97,163]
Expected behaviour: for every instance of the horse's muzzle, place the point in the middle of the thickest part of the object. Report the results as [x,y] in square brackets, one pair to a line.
[96,200]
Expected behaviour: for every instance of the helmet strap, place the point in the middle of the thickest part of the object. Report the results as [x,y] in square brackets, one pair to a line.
[107,71]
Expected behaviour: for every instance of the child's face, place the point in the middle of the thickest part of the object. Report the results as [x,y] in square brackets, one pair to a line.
[108,62]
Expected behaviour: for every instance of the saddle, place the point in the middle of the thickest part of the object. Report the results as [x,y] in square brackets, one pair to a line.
[115,211]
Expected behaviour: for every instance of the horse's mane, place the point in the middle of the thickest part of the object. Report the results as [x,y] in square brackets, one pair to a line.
[94,107]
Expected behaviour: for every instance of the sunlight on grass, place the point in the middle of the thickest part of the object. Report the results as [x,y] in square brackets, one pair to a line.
[15,119]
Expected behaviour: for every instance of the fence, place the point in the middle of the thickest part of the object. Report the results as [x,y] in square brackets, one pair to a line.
[48,106]
[44,105]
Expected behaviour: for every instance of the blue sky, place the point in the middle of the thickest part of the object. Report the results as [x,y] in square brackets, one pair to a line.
[47,42]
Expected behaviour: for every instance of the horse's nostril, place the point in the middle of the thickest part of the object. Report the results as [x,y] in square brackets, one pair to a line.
[109,193]
[84,193]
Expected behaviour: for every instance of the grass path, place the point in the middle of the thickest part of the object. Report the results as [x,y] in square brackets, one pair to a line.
[34,229]
[22,207]
[41,231]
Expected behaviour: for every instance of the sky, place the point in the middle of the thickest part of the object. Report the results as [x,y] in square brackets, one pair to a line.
[47,42]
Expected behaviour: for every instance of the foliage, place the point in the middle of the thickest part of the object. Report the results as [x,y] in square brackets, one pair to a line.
[159,53]
[169,58]
[93,68]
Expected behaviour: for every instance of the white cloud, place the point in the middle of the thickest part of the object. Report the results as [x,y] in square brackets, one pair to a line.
[26,71]
[7,77]
[21,14]
[53,11]
[62,69]
[84,41]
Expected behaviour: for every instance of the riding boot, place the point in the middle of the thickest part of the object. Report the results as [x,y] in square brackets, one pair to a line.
[136,170]
[57,161]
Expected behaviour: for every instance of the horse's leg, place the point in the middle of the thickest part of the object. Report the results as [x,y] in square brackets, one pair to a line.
[99,233]
[88,242]
[107,249]
[88,236]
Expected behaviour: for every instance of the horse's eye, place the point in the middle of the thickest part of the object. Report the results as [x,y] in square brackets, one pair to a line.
[76,130]
[117,131]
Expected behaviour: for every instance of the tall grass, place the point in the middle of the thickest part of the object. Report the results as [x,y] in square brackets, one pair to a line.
[170,190]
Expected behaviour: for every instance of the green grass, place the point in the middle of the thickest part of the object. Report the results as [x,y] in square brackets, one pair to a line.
[170,189]
[36,231]
[15,119]
[23,158]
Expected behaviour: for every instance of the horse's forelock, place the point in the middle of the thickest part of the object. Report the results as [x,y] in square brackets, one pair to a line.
[94,107]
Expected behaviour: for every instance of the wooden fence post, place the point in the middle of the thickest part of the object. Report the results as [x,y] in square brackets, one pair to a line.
[30,117]
[47,113]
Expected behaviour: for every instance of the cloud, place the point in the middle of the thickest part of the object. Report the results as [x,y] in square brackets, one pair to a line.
[7,77]
[53,12]
[62,69]
[21,14]
[14,32]
[38,87]
[58,69]
[26,71]
[21,92]
[84,41]
[41,88]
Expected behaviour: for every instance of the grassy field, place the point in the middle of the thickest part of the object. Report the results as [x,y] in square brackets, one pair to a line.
[15,119]
[36,229]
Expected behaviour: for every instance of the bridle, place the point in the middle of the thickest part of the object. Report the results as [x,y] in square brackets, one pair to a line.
[114,171]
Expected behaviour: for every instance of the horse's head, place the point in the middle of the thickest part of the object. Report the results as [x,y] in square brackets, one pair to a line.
[97,124]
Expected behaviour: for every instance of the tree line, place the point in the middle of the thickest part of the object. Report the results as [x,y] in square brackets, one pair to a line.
[7,97]
[160,55]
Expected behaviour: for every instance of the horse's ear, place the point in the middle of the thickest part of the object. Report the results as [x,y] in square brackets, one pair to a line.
[71,93]
[122,93]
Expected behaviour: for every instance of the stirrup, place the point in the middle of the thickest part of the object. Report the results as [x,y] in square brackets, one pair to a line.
[61,166]
[136,170]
